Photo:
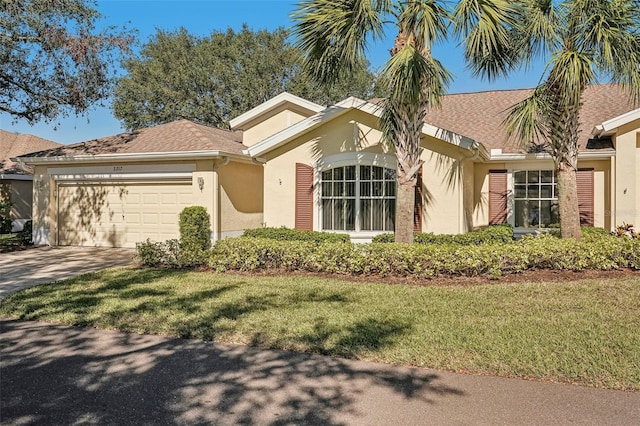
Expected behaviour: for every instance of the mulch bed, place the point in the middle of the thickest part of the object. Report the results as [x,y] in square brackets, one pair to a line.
[541,275]
[14,247]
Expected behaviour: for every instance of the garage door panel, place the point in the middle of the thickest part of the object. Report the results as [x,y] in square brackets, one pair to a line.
[120,215]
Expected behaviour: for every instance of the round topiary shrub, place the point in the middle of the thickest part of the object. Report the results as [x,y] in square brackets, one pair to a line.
[194,228]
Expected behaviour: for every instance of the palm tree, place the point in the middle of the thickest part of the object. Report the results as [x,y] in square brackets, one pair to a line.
[583,41]
[334,33]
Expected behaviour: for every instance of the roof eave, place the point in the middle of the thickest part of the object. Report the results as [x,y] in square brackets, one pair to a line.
[283,137]
[610,127]
[271,104]
[132,157]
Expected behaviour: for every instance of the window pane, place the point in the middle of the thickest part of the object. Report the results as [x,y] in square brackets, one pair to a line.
[326,189]
[520,191]
[533,176]
[546,176]
[520,177]
[390,189]
[377,189]
[365,215]
[350,189]
[326,175]
[555,191]
[390,215]
[365,172]
[546,191]
[338,173]
[377,173]
[390,174]
[377,213]
[338,215]
[532,191]
[338,189]
[350,214]
[327,208]
[350,173]
[522,213]
[365,189]
[545,214]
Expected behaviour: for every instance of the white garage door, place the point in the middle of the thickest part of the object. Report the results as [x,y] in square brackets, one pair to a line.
[120,215]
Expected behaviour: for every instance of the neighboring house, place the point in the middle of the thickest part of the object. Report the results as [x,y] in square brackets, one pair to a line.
[290,162]
[16,183]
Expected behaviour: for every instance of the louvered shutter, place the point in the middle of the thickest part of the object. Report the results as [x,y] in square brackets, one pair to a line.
[584,180]
[497,197]
[304,197]
[417,210]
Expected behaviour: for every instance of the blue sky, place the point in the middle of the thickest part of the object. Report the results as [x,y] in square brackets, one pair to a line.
[201,17]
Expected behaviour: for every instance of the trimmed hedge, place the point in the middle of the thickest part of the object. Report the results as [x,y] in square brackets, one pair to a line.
[490,234]
[427,260]
[194,228]
[287,234]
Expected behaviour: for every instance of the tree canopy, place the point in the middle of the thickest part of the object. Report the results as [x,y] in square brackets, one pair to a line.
[54,60]
[214,78]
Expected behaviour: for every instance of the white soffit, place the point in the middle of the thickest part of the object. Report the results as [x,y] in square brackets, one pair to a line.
[273,103]
[611,125]
[328,114]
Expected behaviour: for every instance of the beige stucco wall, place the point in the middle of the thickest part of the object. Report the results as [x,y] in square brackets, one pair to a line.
[240,197]
[601,187]
[627,175]
[356,132]
[20,193]
[22,197]
[271,123]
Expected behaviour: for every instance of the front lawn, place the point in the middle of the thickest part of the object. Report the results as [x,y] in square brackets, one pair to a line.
[583,332]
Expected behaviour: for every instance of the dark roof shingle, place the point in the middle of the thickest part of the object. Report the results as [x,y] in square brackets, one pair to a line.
[14,144]
[177,136]
[480,115]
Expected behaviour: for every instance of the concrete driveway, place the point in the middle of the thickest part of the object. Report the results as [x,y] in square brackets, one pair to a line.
[22,269]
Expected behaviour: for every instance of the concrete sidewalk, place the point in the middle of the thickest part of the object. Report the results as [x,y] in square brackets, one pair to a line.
[22,269]
[65,375]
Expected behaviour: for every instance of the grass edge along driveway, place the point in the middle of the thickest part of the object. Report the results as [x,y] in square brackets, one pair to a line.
[582,332]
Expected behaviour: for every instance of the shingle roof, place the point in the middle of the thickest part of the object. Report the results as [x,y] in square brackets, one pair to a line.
[480,115]
[15,144]
[177,136]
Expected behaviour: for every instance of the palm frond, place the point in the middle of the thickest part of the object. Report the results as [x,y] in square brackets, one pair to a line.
[527,122]
[410,77]
[333,34]
[538,33]
[571,72]
[427,20]
[486,28]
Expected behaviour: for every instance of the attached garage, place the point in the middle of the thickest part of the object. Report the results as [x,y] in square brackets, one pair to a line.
[120,214]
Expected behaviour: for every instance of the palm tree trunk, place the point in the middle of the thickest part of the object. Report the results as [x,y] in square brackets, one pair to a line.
[568,202]
[405,204]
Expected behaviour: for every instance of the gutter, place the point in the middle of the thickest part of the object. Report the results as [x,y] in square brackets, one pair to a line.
[602,155]
[132,157]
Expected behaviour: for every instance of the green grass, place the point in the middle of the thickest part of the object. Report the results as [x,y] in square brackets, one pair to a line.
[9,239]
[583,332]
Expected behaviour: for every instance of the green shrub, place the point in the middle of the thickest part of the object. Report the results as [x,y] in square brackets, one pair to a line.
[490,234]
[194,228]
[170,254]
[601,252]
[287,234]
[26,235]
[5,217]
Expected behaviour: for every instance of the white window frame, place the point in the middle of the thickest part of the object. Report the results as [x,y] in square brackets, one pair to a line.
[348,159]
[511,202]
